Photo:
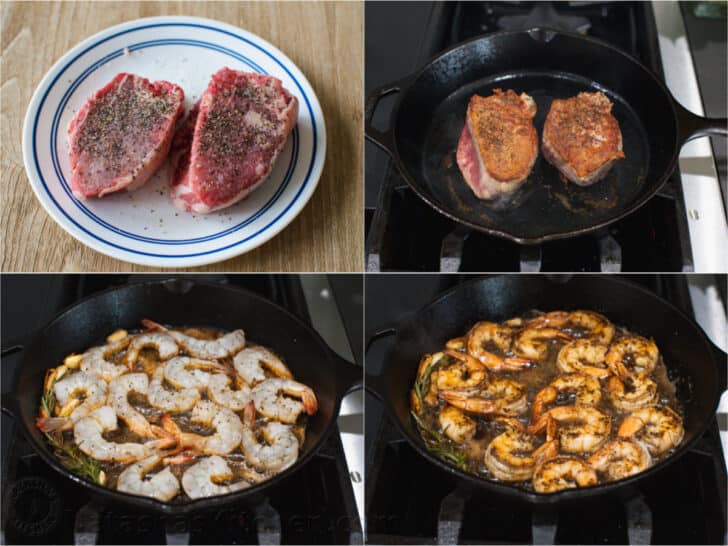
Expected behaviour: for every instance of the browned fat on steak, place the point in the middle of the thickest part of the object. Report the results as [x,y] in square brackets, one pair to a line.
[227,146]
[122,134]
[499,144]
[581,137]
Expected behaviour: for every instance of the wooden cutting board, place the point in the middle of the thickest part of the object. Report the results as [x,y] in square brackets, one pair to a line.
[323,39]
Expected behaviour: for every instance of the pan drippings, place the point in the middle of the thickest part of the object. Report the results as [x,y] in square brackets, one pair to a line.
[175,414]
[548,401]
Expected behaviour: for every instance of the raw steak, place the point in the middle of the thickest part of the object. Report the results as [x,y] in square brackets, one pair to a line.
[499,144]
[581,137]
[122,134]
[230,140]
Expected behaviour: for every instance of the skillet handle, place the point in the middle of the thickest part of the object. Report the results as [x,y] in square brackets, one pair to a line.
[349,376]
[374,384]
[383,139]
[9,400]
[721,359]
[693,126]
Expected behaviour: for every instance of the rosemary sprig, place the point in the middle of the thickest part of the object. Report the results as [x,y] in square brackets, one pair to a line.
[422,383]
[72,458]
[440,445]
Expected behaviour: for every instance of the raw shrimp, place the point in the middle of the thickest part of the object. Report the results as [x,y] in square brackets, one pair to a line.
[658,427]
[222,347]
[632,355]
[249,364]
[67,392]
[270,402]
[199,480]
[94,360]
[584,356]
[597,327]
[499,336]
[585,389]
[162,486]
[280,450]
[632,393]
[172,401]
[164,344]
[497,396]
[227,425]
[456,425]
[579,429]
[618,459]
[219,390]
[186,373]
[87,433]
[533,343]
[562,473]
[119,390]
[512,456]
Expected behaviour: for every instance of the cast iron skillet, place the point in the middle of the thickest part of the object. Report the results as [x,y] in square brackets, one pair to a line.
[184,303]
[430,113]
[694,364]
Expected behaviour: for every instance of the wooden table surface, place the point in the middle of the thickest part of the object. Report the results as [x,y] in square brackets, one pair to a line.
[323,39]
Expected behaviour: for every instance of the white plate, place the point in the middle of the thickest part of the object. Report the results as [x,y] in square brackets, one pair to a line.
[143,226]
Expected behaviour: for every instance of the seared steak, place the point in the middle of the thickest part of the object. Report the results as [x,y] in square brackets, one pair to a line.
[228,144]
[122,134]
[581,137]
[499,144]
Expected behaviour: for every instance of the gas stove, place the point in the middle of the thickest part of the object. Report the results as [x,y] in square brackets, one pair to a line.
[317,505]
[409,501]
[673,232]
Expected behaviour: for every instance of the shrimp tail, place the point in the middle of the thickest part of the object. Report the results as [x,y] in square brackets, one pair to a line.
[153,326]
[249,413]
[310,404]
[183,456]
[167,438]
[169,426]
[52,424]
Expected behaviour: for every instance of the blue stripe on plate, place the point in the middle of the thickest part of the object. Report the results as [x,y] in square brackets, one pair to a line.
[116,53]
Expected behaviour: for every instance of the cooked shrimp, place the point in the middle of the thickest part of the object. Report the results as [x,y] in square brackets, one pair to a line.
[499,336]
[171,401]
[87,433]
[632,393]
[269,400]
[68,392]
[186,373]
[618,459]
[579,429]
[497,396]
[597,327]
[200,480]
[465,371]
[249,364]
[428,363]
[512,456]
[456,425]
[456,344]
[585,389]
[584,356]
[534,343]
[222,347]
[162,486]
[219,390]
[658,427]
[562,473]
[94,360]
[632,355]
[227,425]
[165,346]
[280,450]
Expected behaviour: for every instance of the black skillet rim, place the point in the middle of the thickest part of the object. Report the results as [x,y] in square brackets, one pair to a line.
[567,494]
[199,504]
[411,78]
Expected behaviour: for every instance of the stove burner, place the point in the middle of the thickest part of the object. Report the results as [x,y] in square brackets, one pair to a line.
[545,15]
